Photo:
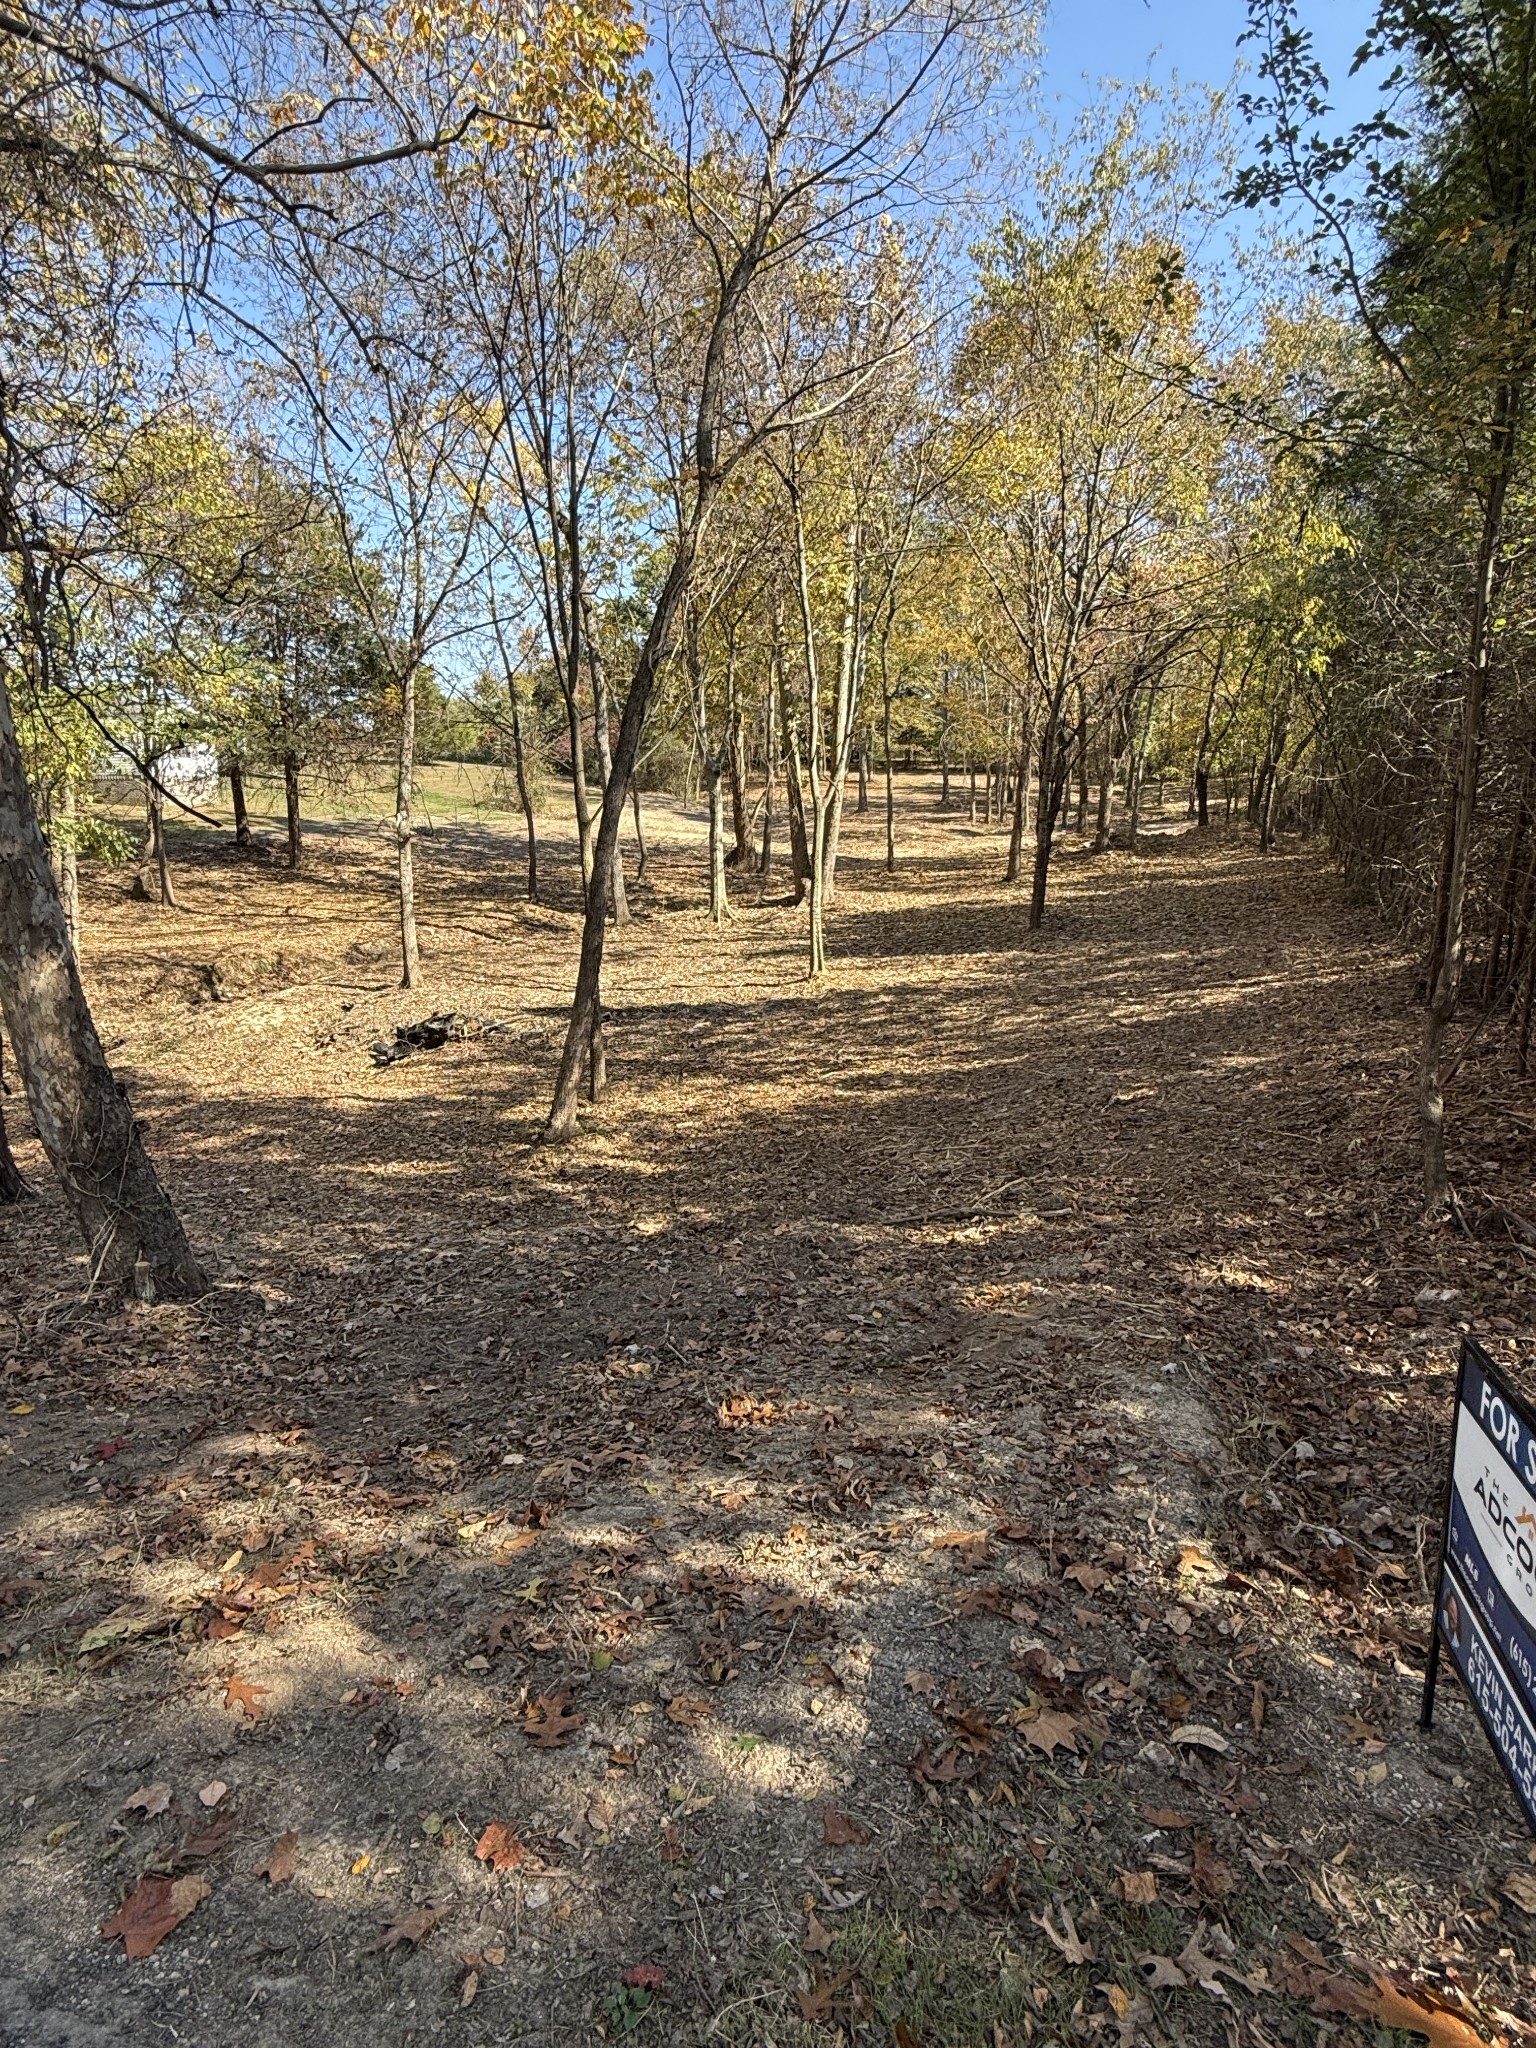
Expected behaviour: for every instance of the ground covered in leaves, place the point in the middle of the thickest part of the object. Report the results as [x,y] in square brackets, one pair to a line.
[914,1530]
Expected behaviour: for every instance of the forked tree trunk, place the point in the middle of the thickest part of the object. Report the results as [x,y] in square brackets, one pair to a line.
[133,1236]
[410,955]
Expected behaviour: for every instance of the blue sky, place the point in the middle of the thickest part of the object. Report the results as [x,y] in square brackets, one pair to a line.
[1197,39]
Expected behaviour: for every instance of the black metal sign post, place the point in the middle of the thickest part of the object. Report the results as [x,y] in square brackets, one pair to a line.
[1485,1594]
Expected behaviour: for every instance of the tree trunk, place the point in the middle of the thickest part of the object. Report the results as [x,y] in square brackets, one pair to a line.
[587,1002]
[1105,821]
[1055,774]
[1020,825]
[291,799]
[81,1113]
[1452,936]
[890,793]
[410,955]
[162,858]
[520,762]
[719,901]
[618,901]
[863,803]
[67,865]
[1203,797]
[634,801]
[12,1187]
[740,854]
[236,773]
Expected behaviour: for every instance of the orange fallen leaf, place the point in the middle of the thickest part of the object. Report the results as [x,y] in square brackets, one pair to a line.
[240,1692]
[151,1910]
[1139,1887]
[1394,2000]
[500,1848]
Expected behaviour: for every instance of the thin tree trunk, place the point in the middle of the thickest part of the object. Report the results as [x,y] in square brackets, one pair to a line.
[771,753]
[634,801]
[81,1113]
[410,954]
[890,791]
[291,799]
[162,857]
[618,901]
[1020,825]
[236,774]
[67,862]
[863,803]
[719,901]
[525,799]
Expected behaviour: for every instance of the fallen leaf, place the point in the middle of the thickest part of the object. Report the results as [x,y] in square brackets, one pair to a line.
[645,1976]
[283,1861]
[1050,1731]
[1162,1973]
[817,2001]
[1139,1887]
[499,1847]
[468,1989]
[1166,1817]
[1088,1576]
[1195,1735]
[1070,1942]
[412,1927]
[1207,1970]
[149,1799]
[1213,1878]
[920,1681]
[687,1711]
[151,1910]
[550,1720]
[1394,2000]
[1520,1886]
[840,1831]
[240,1692]
[818,1939]
[212,1793]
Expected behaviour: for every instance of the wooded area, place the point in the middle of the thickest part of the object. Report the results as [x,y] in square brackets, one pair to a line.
[768,959]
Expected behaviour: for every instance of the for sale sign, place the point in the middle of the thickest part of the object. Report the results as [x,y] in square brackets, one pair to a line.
[1485,1605]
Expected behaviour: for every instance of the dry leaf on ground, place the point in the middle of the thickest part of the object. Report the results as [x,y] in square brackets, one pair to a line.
[240,1692]
[840,1830]
[499,1847]
[149,1799]
[283,1861]
[550,1720]
[411,1927]
[151,1910]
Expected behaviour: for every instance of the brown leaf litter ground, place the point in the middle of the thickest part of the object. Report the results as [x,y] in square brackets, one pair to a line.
[913,1530]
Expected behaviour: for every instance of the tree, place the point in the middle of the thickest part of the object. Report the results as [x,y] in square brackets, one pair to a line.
[1425,228]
